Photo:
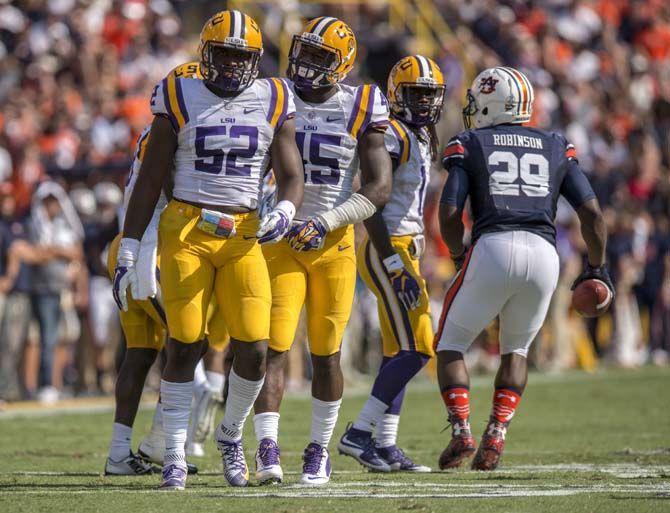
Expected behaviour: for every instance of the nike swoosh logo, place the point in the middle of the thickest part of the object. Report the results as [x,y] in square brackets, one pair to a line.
[312,478]
[342,248]
[331,120]
[249,111]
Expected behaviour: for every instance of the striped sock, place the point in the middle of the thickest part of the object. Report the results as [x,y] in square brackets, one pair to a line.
[505,401]
[457,400]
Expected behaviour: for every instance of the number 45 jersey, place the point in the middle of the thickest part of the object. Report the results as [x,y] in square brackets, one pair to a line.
[514,176]
[327,135]
[223,143]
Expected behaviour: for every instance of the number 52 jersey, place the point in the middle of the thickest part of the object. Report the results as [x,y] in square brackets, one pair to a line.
[223,143]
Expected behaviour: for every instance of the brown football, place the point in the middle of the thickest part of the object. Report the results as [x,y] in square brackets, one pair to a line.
[591,298]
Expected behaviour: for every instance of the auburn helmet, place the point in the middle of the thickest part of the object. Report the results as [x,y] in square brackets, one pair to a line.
[322,54]
[187,70]
[415,90]
[498,95]
[230,50]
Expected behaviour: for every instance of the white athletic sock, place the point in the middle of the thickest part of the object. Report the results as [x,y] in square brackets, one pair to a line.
[387,430]
[266,425]
[324,418]
[371,414]
[120,446]
[157,423]
[176,399]
[199,378]
[216,381]
[242,394]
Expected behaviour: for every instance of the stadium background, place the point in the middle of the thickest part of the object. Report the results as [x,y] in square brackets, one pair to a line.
[75,78]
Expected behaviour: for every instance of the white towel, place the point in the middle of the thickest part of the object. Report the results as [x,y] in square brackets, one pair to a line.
[147,285]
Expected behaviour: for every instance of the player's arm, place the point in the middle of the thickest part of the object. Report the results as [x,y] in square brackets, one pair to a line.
[577,190]
[288,170]
[454,194]
[156,166]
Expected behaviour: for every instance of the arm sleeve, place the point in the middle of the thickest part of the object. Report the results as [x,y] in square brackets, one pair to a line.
[455,151]
[576,187]
[456,189]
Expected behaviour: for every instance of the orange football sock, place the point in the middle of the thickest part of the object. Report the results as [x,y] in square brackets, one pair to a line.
[457,400]
[505,401]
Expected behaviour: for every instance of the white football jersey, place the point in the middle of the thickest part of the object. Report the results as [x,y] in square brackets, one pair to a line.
[327,135]
[223,143]
[140,148]
[404,211]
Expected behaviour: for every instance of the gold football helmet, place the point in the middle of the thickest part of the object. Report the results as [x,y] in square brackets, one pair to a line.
[416,90]
[322,54]
[230,50]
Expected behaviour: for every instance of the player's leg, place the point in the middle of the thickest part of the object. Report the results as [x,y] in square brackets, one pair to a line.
[144,341]
[330,296]
[520,320]
[475,297]
[187,278]
[209,383]
[289,284]
[407,337]
[243,293]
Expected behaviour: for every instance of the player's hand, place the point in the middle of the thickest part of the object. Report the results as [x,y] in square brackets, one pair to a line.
[459,260]
[404,285]
[275,225]
[595,273]
[308,235]
[125,274]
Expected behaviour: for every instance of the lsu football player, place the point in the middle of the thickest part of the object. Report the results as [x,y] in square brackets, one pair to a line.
[219,134]
[339,128]
[513,176]
[144,326]
[389,263]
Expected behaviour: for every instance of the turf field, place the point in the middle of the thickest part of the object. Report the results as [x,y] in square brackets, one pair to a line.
[579,443]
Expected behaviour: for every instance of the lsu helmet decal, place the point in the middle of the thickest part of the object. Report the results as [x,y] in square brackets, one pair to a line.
[187,70]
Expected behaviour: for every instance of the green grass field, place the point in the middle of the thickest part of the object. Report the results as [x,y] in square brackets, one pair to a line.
[578,443]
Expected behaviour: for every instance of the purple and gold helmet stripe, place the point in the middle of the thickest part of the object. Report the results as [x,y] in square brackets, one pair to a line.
[322,26]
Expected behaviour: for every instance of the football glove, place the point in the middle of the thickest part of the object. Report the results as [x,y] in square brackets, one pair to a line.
[404,285]
[595,273]
[125,274]
[274,226]
[308,235]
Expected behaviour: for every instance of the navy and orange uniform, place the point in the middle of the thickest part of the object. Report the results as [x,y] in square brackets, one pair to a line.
[324,280]
[514,176]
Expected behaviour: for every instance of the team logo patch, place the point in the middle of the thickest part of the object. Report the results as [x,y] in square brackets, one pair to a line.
[488,85]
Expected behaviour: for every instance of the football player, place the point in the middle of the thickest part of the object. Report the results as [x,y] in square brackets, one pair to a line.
[513,176]
[389,263]
[339,128]
[219,134]
[144,326]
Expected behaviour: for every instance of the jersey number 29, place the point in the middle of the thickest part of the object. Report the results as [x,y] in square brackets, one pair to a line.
[532,168]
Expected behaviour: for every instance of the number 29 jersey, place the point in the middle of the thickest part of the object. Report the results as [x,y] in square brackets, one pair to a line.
[515,175]
[327,135]
[223,143]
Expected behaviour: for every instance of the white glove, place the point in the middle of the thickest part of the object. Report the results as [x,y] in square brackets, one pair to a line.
[125,274]
[275,225]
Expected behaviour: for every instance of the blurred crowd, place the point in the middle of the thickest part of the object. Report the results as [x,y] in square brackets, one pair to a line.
[75,78]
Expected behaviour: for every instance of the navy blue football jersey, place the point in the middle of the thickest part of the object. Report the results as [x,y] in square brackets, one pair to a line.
[513,176]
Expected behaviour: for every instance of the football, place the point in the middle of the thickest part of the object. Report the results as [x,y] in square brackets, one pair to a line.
[591,298]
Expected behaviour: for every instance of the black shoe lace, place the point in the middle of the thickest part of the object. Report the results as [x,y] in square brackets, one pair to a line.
[234,456]
[138,466]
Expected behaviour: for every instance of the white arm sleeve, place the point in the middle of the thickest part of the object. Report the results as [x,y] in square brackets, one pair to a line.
[356,209]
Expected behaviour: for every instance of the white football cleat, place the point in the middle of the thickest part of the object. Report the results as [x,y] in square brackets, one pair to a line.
[268,466]
[195,449]
[203,414]
[152,449]
[316,466]
[132,465]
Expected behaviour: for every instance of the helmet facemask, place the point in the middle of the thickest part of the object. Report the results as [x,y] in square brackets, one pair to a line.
[228,68]
[312,64]
[419,104]
[469,111]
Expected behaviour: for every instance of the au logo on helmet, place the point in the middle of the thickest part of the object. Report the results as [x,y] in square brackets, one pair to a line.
[487,85]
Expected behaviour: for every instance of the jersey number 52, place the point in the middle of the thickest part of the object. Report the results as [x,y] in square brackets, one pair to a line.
[213,158]
[507,168]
